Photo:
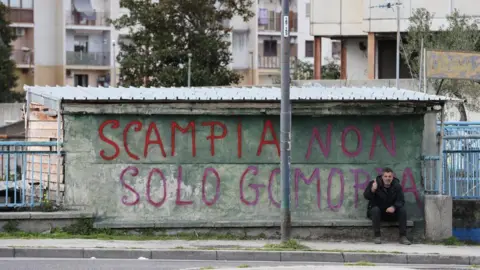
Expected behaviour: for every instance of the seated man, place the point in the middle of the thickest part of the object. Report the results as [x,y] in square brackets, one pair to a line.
[386,203]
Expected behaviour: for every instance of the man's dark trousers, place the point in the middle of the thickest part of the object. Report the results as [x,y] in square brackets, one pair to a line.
[378,215]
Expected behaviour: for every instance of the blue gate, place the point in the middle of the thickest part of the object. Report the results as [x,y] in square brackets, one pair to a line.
[461,160]
[27,173]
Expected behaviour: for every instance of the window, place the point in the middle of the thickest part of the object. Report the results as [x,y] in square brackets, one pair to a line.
[309,48]
[269,48]
[307,10]
[336,49]
[15,3]
[18,3]
[239,41]
[27,4]
[81,80]
[80,43]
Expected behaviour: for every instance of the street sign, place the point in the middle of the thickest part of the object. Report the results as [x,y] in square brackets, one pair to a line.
[285,26]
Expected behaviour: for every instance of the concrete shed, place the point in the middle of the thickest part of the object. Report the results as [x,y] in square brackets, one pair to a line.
[208,158]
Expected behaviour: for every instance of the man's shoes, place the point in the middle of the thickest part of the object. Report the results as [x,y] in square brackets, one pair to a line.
[377,240]
[404,241]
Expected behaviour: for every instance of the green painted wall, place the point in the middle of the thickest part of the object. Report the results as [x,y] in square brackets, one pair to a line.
[95,182]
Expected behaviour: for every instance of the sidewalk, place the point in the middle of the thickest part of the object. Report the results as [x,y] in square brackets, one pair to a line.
[240,250]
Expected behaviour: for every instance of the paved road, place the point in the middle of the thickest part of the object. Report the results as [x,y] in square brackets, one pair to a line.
[104,264]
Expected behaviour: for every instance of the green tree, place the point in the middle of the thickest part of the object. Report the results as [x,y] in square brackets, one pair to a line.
[303,70]
[460,34]
[161,35]
[8,78]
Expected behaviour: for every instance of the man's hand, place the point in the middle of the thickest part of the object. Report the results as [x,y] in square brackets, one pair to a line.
[374,186]
[391,210]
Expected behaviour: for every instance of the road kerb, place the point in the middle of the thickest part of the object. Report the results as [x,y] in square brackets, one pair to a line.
[351,257]
[33,252]
[311,256]
[437,259]
[104,253]
[238,255]
[7,252]
[246,255]
[200,255]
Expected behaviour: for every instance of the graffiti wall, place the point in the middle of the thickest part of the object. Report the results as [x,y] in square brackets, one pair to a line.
[143,169]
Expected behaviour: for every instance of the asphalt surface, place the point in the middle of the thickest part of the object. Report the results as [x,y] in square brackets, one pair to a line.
[139,264]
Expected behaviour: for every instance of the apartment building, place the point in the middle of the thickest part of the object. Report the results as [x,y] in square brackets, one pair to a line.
[368,33]
[21,14]
[256,44]
[63,42]
[69,42]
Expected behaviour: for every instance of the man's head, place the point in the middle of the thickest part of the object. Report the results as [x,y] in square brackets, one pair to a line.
[387,176]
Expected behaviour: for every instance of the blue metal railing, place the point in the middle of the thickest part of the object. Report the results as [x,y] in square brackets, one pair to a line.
[461,160]
[26,172]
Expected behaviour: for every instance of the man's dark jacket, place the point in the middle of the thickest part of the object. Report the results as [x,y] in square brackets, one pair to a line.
[383,197]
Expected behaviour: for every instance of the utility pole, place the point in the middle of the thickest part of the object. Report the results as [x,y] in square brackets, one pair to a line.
[388,6]
[285,125]
[397,77]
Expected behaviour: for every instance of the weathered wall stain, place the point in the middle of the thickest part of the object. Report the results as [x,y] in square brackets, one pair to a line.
[168,168]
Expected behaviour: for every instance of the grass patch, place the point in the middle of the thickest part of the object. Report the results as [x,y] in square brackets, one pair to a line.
[453,241]
[361,263]
[11,226]
[207,268]
[83,229]
[474,266]
[289,245]
[243,266]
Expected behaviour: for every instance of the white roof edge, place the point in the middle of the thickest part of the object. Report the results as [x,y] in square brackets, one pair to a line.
[49,96]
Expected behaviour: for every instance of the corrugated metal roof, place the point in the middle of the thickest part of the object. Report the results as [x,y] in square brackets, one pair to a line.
[315,92]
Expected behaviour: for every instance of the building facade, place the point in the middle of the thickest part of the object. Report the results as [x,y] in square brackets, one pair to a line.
[62,42]
[69,42]
[368,32]
[256,44]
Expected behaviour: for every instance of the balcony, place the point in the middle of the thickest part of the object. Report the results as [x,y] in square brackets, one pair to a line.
[75,18]
[88,58]
[271,21]
[273,62]
[20,15]
[22,58]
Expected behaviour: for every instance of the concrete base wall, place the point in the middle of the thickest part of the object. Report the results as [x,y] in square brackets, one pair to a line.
[438,217]
[39,222]
[302,233]
[348,230]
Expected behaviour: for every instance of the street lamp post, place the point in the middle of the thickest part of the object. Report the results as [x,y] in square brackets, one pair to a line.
[252,81]
[114,72]
[189,69]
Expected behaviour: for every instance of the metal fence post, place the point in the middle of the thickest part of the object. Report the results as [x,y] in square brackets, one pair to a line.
[59,153]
